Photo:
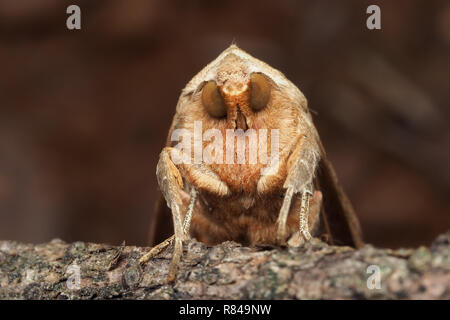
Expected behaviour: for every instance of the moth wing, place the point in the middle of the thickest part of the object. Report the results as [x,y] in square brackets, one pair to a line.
[339,221]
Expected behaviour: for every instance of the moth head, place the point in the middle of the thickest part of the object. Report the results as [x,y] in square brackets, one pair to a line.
[239,88]
[237,91]
[232,89]
[253,92]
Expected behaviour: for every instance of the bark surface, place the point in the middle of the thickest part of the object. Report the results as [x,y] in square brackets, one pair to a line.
[226,271]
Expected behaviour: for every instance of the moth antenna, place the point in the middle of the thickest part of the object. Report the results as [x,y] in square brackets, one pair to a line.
[314,112]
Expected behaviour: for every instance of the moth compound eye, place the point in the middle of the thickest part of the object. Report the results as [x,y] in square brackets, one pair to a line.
[259,91]
[212,100]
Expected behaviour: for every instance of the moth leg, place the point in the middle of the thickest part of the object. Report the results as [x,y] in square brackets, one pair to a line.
[166,243]
[312,220]
[188,217]
[271,176]
[282,218]
[203,178]
[156,250]
[171,185]
[304,215]
[301,166]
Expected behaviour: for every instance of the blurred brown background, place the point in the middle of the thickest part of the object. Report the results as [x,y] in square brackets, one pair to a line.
[84,114]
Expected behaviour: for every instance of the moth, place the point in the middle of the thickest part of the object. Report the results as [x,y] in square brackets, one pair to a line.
[215,193]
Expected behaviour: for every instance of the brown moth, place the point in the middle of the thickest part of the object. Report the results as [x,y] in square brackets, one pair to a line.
[286,199]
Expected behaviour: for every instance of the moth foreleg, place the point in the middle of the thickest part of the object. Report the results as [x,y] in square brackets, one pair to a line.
[311,220]
[171,185]
[188,217]
[186,225]
[203,178]
[304,215]
[156,250]
[282,218]
[301,166]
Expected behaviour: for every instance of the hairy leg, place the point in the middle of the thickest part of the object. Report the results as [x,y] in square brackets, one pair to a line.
[312,221]
[301,166]
[171,183]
